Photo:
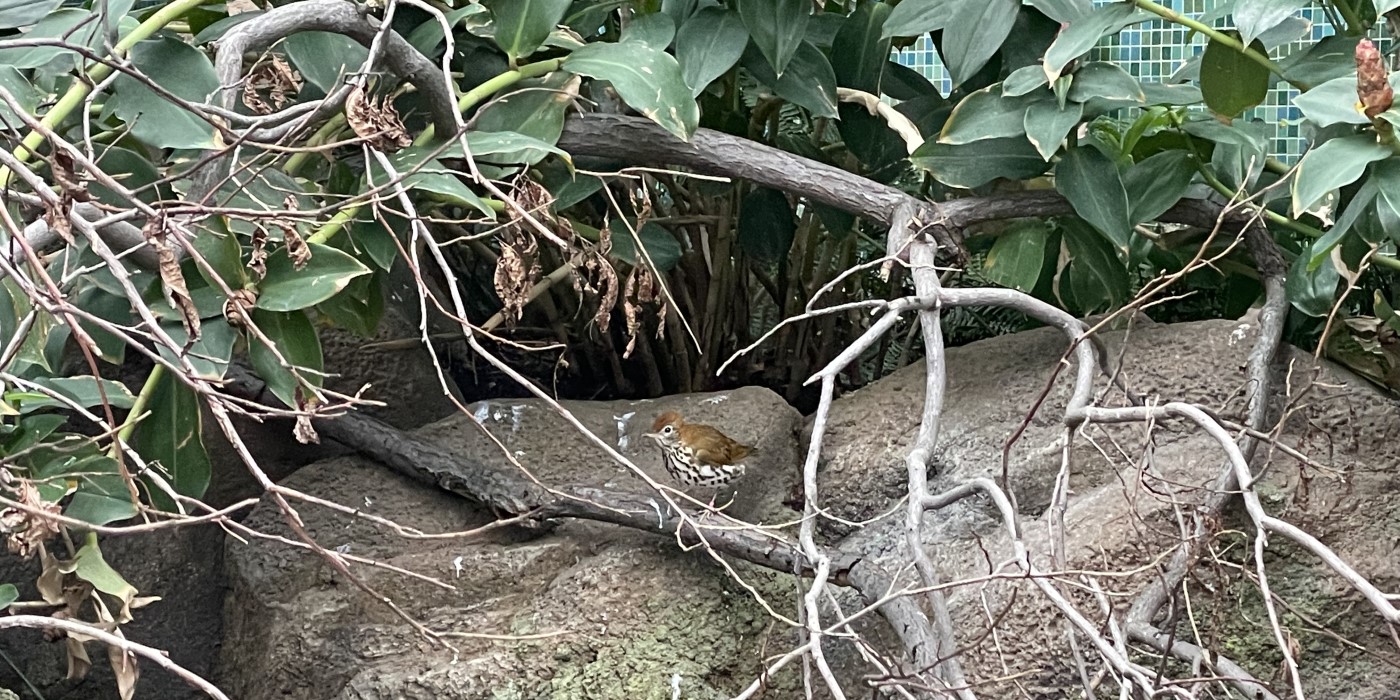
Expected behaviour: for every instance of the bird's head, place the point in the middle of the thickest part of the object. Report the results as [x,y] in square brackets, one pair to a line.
[667,428]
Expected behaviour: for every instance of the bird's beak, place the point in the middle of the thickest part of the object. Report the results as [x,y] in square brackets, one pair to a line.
[654,436]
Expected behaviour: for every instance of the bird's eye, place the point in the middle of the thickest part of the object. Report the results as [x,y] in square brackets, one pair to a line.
[668,430]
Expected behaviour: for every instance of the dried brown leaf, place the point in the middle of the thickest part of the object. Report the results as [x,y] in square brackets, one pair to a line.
[377,123]
[304,432]
[71,180]
[257,260]
[176,292]
[273,77]
[125,669]
[25,532]
[297,249]
[237,306]
[517,271]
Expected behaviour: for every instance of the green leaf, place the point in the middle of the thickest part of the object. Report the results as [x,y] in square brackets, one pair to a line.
[1093,186]
[327,271]
[986,114]
[22,13]
[71,25]
[101,498]
[1063,11]
[297,341]
[1157,184]
[24,93]
[1332,57]
[1018,256]
[777,27]
[1023,80]
[263,189]
[358,308]
[324,58]
[172,437]
[535,110]
[708,45]
[661,247]
[1311,290]
[8,595]
[656,30]
[1090,278]
[809,81]
[80,390]
[220,248]
[766,225]
[522,25]
[1333,102]
[210,354]
[862,48]
[974,33]
[429,34]
[1333,165]
[979,162]
[109,307]
[904,83]
[1047,125]
[1084,32]
[1384,6]
[90,566]
[182,70]
[1230,81]
[1105,81]
[914,17]
[648,80]
[134,171]
[1254,17]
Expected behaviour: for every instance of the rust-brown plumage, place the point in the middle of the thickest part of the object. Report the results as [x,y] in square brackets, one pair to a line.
[698,455]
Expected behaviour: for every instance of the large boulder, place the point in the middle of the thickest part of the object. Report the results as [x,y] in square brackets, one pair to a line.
[1129,488]
[585,611]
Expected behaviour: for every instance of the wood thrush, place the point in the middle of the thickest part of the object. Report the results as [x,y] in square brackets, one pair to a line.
[698,455]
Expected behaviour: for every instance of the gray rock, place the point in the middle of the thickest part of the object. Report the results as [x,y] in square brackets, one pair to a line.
[618,613]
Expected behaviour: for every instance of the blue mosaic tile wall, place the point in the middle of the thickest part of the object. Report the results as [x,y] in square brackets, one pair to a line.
[1154,50]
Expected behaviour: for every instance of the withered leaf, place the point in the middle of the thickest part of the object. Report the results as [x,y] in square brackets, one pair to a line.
[377,123]
[257,259]
[304,432]
[72,181]
[172,279]
[297,249]
[125,669]
[517,271]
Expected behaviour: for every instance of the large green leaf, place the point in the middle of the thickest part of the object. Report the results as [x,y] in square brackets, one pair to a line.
[1093,186]
[89,565]
[220,249]
[1105,81]
[1333,102]
[22,91]
[172,437]
[1047,125]
[1090,278]
[324,58]
[1333,165]
[987,114]
[8,595]
[1312,290]
[83,391]
[914,17]
[976,29]
[904,83]
[1328,59]
[708,45]
[1063,11]
[862,50]
[182,70]
[809,81]
[327,271]
[210,354]
[1230,81]
[648,80]
[1254,17]
[1018,256]
[522,25]
[1023,80]
[661,247]
[358,308]
[535,110]
[297,341]
[766,224]
[1157,184]
[134,171]
[71,25]
[22,13]
[1384,6]
[979,162]
[1084,32]
[102,496]
[777,27]
[656,30]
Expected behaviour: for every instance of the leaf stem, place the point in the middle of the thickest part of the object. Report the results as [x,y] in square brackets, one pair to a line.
[80,89]
[138,407]
[1217,36]
[1354,25]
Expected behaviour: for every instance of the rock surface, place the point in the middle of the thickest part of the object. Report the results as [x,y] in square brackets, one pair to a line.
[1121,515]
[602,612]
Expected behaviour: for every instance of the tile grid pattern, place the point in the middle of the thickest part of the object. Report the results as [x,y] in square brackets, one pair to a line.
[1154,50]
